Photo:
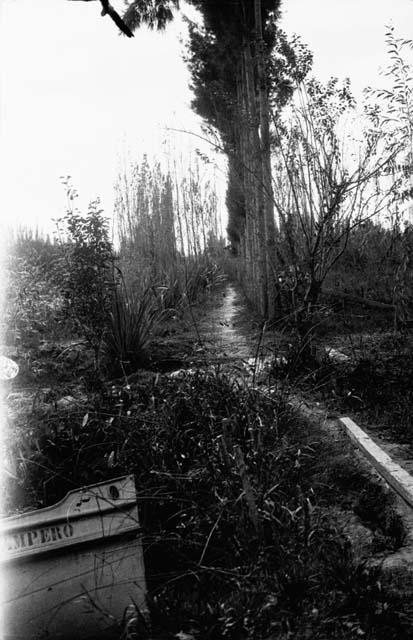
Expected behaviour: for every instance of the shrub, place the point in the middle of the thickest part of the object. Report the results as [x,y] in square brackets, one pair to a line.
[168,231]
[131,323]
[32,298]
[237,545]
[87,270]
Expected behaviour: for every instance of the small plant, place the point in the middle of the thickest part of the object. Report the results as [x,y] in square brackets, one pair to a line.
[324,193]
[376,505]
[168,232]
[32,297]
[238,539]
[132,321]
[87,270]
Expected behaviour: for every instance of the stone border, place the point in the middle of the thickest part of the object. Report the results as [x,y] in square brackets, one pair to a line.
[397,477]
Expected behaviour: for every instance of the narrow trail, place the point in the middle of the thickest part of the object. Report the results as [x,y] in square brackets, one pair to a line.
[228,338]
[230,335]
[218,329]
[224,333]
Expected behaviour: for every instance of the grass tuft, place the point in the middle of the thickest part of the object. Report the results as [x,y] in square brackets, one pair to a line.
[132,322]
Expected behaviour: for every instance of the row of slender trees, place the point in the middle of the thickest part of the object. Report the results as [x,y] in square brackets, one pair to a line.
[298,183]
[168,227]
[242,68]
[237,81]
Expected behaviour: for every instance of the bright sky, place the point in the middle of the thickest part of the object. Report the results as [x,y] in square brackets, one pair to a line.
[76,97]
[347,36]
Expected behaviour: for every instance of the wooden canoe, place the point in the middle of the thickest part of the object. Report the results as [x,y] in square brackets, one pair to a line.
[75,569]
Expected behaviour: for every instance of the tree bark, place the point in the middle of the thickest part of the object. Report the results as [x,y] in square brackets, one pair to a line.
[256,181]
[265,156]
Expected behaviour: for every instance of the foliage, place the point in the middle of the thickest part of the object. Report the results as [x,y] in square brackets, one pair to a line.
[214,57]
[403,279]
[240,63]
[32,301]
[324,190]
[379,385]
[375,505]
[377,265]
[391,110]
[152,13]
[372,379]
[236,496]
[87,269]
[168,231]
[238,540]
[131,324]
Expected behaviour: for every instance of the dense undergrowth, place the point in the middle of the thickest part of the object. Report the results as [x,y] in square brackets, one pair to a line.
[77,288]
[255,526]
[238,501]
[380,388]
[243,506]
[352,357]
[371,375]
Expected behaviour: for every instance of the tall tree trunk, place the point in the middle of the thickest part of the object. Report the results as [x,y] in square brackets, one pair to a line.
[265,157]
[255,175]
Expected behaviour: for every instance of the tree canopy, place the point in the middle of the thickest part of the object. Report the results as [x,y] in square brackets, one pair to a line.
[243,69]
[153,13]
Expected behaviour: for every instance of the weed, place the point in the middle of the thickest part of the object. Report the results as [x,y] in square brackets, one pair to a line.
[87,270]
[131,324]
[375,505]
[237,541]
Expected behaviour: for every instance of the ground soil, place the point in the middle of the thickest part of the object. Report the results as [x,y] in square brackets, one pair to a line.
[230,333]
[227,331]
[223,333]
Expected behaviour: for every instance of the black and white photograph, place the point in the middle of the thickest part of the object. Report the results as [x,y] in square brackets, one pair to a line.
[206,338]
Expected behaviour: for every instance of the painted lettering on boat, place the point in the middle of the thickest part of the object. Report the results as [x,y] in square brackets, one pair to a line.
[39,537]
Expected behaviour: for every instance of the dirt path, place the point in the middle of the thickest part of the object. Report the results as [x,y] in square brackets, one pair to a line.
[219,329]
[228,336]
[223,331]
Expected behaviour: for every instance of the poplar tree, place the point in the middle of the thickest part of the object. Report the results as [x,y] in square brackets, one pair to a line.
[238,82]
[241,66]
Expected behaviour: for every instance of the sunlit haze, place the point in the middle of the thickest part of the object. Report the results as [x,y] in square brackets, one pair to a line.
[77,98]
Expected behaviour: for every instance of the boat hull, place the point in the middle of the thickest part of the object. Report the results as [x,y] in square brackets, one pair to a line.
[74,570]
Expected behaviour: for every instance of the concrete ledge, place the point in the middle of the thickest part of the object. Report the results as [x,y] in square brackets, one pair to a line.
[397,477]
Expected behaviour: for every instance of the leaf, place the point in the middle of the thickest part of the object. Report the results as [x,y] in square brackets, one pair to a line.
[111,460]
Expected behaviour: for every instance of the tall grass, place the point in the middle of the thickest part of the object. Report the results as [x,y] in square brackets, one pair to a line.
[131,324]
[168,230]
[32,297]
[239,538]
